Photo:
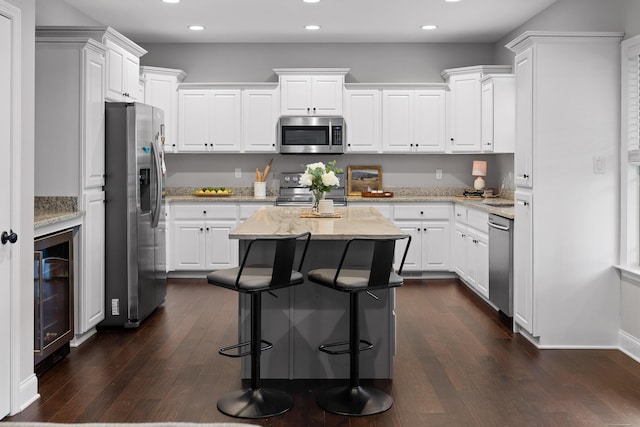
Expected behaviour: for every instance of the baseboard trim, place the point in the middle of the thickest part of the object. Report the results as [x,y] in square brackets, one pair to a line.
[81,338]
[629,345]
[28,392]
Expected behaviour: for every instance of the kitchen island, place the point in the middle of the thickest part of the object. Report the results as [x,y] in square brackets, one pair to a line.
[303,317]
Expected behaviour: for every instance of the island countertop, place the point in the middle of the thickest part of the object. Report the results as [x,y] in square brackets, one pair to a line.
[355,221]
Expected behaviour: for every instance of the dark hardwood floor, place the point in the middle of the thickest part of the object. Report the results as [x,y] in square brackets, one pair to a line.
[457,365]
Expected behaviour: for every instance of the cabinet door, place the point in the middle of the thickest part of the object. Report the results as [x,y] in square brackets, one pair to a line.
[326,95]
[160,91]
[523,287]
[459,253]
[397,121]
[523,157]
[221,251]
[115,67]
[93,130]
[478,264]
[193,120]
[413,262]
[91,286]
[487,116]
[131,74]
[295,92]
[430,123]
[465,113]
[362,117]
[188,240]
[259,120]
[436,238]
[225,120]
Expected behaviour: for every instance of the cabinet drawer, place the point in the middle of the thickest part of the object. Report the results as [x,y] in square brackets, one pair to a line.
[430,211]
[204,211]
[478,220]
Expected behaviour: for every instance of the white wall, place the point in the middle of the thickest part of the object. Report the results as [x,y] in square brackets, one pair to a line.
[58,12]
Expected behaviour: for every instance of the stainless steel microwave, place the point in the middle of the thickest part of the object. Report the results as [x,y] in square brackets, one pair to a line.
[311,135]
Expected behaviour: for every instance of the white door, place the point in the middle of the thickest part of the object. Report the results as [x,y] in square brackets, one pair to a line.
[225,120]
[193,120]
[397,121]
[465,116]
[260,113]
[7,251]
[430,122]
[363,120]
[221,251]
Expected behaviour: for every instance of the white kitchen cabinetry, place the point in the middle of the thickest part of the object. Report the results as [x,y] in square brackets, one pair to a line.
[429,228]
[90,290]
[123,66]
[200,236]
[464,105]
[260,114]
[311,92]
[209,120]
[498,113]
[362,119]
[69,149]
[161,90]
[471,248]
[564,245]
[413,120]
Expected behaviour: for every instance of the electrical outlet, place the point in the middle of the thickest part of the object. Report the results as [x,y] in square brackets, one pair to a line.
[438,173]
[238,173]
[115,307]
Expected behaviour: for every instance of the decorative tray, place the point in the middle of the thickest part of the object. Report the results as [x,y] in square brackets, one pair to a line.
[202,194]
[309,214]
[380,194]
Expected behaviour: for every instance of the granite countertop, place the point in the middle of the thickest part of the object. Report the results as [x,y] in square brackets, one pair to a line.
[49,211]
[502,206]
[355,221]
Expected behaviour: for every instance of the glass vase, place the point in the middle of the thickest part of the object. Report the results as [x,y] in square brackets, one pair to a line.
[317,196]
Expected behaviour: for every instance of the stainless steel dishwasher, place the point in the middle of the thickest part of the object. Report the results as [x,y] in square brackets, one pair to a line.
[501,263]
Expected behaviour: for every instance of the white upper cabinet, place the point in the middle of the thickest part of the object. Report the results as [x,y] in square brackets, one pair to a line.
[498,113]
[523,157]
[311,92]
[93,113]
[161,90]
[465,106]
[362,116]
[209,120]
[123,66]
[414,120]
[260,114]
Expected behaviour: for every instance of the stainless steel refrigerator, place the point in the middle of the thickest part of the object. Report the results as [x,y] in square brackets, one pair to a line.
[135,260]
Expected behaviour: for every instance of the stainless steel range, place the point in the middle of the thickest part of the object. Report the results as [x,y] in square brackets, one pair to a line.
[292,193]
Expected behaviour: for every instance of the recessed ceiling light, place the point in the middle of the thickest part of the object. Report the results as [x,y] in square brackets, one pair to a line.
[429,27]
[171,1]
[451,1]
[311,1]
[312,27]
[196,27]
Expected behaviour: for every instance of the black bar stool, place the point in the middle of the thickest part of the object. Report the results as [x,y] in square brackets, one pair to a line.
[355,399]
[257,402]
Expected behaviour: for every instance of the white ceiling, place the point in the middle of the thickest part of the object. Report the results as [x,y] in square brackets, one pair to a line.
[341,20]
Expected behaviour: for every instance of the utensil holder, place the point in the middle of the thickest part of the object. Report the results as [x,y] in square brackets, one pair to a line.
[259,190]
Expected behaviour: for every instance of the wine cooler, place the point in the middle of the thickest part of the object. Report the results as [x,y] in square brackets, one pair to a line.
[53,298]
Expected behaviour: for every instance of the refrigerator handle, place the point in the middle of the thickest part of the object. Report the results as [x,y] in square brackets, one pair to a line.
[155,212]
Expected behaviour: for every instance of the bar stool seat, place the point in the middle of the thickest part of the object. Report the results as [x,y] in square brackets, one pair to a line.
[255,401]
[354,399]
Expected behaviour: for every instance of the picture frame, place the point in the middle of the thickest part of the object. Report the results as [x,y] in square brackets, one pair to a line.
[363,178]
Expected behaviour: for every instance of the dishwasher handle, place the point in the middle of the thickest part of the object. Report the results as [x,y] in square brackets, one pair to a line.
[497,226]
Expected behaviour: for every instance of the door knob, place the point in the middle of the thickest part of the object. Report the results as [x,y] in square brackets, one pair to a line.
[10,237]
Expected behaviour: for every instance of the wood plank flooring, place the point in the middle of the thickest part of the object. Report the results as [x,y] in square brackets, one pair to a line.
[457,365]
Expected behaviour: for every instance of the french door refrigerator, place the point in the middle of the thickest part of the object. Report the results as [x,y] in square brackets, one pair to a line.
[135,258]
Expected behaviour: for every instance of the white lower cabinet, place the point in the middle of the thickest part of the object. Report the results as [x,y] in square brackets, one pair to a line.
[200,236]
[471,248]
[429,228]
[523,291]
[91,284]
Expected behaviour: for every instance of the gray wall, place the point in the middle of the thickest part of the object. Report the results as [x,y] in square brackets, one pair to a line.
[58,12]
[369,62]
[576,15]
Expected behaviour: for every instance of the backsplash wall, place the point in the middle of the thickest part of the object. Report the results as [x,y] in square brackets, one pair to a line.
[398,170]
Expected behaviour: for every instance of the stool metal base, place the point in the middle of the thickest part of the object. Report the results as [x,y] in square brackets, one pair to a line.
[260,403]
[356,401]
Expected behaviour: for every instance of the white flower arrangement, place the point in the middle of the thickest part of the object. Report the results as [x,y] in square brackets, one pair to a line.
[320,178]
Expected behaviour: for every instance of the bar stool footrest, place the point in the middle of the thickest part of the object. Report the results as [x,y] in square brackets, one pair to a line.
[258,403]
[354,401]
[325,347]
[224,351]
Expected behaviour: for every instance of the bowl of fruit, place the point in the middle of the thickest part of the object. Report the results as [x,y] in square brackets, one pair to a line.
[213,192]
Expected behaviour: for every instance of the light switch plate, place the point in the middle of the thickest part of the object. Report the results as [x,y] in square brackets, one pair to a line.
[238,173]
[599,164]
[438,173]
